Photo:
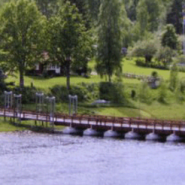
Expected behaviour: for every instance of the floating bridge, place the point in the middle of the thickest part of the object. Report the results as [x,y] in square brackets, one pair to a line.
[117,126]
[92,125]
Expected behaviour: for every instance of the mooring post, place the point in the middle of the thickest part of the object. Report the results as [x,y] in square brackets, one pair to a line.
[7,102]
[39,100]
[18,106]
[51,110]
[73,104]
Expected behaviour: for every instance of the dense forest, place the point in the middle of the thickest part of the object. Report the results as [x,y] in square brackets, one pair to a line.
[72,32]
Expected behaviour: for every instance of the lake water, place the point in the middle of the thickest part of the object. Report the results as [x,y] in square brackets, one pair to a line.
[34,159]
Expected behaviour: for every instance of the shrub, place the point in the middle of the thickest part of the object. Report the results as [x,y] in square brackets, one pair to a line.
[140,62]
[146,49]
[144,93]
[182,85]
[133,94]
[165,55]
[173,77]
[85,92]
[28,94]
[162,93]
[154,74]
[169,37]
[179,95]
[112,92]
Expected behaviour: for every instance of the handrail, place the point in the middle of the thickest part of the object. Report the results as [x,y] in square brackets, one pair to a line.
[99,120]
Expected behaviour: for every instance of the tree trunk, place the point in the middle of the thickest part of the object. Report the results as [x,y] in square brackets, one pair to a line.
[21,73]
[109,76]
[68,64]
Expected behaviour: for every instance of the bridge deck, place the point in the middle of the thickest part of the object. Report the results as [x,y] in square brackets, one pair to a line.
[100,122]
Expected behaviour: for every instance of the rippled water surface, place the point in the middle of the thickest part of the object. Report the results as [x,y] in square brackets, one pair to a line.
[35,159]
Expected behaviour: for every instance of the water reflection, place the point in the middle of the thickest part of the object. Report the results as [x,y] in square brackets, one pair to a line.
[28,158]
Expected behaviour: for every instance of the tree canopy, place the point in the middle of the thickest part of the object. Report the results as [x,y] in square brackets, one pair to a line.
[20,33]
[69,39]
[110,26]
[65,28]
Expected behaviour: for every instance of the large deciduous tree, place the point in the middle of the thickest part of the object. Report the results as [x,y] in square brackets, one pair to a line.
[148,14]
[142,17]
[110,27]
[20,32]
[70,42]
[94,9]
[169,37]
[175,15]
[146,49]
[47,7]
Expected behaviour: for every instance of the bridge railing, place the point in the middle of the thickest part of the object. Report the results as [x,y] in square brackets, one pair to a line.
[99,120]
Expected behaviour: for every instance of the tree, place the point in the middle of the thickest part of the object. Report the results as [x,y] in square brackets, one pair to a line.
[93,7]
[142,17]
[146,49]
[165,55]
[174,77]
[69,40]
[175,15]
[148,13]
[47,7]
[110,26]
[82,6]
[169,37]
[130,6]
[20,33]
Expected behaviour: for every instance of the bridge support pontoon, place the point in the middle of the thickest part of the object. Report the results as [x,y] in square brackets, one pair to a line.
[132,135]
[173,138]
[153,137]
[91,132]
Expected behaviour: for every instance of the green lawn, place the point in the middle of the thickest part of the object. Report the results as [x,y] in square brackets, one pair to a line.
[47,83]
[5,126]
[130,67]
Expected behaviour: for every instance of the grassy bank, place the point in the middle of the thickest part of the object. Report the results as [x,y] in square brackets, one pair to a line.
[6,126]
[172,108]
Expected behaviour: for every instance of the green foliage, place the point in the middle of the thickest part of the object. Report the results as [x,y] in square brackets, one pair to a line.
[154,74]
[28,94]
[94,9]
[144,93]
[182,85]
[47,7]
[174,77]
[180,59]
[130,6]
[142,17]
[169,37]
[145,49]
[69,40]
[179,95]
[165,55]
[20,34]
[153,8]
[85,92]
[174,16]
[162,93]
[148,13]
[82,6]
[113,92]
[110,26]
